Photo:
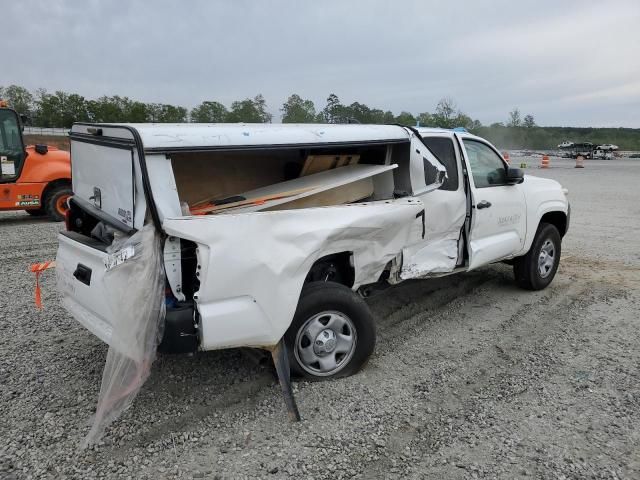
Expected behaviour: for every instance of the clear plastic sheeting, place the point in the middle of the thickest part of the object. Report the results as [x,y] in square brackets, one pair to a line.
[135,277]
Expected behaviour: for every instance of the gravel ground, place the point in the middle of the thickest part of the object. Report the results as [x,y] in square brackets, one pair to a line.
[472,377]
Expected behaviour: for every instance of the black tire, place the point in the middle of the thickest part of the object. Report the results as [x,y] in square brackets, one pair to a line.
[527,269]
[38,212]
[52,199]
[345,313]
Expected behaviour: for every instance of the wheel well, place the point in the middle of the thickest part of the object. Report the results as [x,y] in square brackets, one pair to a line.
[337,267]
[53,184]
[557,219]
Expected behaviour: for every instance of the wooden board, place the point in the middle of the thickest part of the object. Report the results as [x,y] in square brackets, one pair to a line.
[308,185]
[349,193]
[204,209]
[320,163]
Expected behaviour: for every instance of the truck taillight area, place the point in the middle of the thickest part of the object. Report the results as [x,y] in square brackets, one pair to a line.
[77,220]
[67,220]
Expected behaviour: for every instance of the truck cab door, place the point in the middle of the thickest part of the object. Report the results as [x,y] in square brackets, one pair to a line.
[445,210]
[498,212]
[12,153]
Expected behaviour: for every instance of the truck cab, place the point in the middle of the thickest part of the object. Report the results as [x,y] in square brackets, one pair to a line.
[223,235]
[35,178]
[495,206]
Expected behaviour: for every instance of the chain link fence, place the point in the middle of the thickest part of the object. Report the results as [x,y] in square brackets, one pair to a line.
[59,132]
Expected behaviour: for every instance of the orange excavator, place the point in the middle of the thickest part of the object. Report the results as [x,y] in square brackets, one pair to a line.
[36,178]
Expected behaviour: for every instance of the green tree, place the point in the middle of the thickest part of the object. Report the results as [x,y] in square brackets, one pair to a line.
[172,114]
[298,110]
[19,98]
[359,112]
[251,110]
[154,111]
[405,118]
[209,112]
[74,109]
[50,109]
[380,117]
[474,126]
[60,109]
[446,113]
[109,109]
[164,113]
[514,118]
[138,112]
[45,109]
[425,119]
[529,121]
[334,110]
[462,120]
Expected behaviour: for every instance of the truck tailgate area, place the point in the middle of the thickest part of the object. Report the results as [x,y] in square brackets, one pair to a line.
[80,270]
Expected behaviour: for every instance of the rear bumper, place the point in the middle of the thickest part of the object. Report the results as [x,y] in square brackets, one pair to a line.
[96,325]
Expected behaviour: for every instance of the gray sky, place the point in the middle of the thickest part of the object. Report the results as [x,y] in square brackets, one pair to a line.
[567,62]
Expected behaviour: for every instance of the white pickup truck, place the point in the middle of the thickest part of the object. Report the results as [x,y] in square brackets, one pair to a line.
[272,235]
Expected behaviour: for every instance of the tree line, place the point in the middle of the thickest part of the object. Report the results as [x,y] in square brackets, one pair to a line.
[61,109]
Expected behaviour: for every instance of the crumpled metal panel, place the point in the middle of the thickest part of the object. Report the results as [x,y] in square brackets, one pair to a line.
[265,257]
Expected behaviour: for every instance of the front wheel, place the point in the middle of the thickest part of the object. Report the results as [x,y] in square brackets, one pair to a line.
[536,269]
[333,333]
[55,202]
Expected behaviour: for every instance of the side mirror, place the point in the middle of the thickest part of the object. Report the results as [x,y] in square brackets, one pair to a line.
[23,120]
[515,176]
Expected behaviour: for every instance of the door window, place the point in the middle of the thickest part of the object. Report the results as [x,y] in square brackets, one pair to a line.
[486,165]
[444,151]
[11,148]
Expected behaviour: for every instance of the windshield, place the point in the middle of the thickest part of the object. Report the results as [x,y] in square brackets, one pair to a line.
[11,148]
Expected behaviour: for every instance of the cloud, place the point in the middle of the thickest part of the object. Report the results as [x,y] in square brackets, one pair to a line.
[556,60]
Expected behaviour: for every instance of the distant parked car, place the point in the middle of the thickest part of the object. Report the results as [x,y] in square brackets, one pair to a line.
[607,147]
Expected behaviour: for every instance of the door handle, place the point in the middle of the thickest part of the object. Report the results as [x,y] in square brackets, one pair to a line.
[483,204]
[83,274]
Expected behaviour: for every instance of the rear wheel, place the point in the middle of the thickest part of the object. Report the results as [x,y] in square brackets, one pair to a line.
[536,269]
[55,202]
[333,333]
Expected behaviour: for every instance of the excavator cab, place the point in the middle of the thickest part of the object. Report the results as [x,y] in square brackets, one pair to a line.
[12,151]
[33,178]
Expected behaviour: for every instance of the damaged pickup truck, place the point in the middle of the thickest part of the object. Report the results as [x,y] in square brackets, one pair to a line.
[267,235]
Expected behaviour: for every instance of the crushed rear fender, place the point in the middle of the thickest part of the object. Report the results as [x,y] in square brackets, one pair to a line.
[252,266]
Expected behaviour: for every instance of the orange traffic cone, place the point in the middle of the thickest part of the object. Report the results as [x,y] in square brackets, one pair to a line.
[544,163]
[579,161]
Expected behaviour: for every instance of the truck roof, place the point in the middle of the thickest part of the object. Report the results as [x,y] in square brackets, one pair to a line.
[188,136]
[434,130]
